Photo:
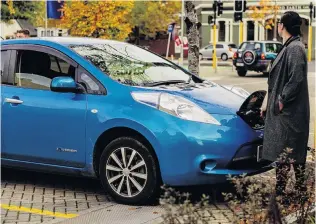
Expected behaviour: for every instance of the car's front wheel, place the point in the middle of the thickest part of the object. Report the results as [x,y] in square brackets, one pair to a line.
[241,72]
[129,172]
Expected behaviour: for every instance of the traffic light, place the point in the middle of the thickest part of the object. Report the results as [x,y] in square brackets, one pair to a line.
[220,8]
[210,20]
[238,16]
[239,6]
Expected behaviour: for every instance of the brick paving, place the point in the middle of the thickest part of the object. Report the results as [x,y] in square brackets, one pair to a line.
[70,195]
[54,193]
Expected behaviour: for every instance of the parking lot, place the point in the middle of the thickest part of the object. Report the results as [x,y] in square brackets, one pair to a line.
[29,197]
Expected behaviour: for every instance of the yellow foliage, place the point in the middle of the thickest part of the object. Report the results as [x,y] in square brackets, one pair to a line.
[10,6]
[107,18]
[264,9]
[155,16]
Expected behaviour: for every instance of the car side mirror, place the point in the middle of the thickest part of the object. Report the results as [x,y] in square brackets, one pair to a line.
[65,85]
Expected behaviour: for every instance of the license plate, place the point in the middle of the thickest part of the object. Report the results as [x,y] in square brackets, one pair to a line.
[240,64]
[259,153]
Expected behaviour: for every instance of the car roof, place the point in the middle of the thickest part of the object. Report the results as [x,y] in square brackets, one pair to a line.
[60,40]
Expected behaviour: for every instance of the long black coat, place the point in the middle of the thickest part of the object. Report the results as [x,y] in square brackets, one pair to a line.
[287,82]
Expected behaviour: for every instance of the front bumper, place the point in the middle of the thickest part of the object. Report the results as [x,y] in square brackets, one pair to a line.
[198,154]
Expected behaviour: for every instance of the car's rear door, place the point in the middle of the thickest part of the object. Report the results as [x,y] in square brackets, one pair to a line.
[38,125]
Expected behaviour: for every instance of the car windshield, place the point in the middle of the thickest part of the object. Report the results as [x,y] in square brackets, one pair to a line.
[130,64]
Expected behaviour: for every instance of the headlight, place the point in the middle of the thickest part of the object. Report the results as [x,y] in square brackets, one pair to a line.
[176,106]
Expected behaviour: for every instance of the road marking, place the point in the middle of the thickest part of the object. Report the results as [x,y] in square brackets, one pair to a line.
[37,211]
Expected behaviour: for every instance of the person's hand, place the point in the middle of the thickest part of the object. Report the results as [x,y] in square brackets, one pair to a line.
[281,106]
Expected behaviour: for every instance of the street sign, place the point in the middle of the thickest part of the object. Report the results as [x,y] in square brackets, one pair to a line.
[170,28]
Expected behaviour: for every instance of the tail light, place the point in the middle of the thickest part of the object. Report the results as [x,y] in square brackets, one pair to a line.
[235,55]
[263,56]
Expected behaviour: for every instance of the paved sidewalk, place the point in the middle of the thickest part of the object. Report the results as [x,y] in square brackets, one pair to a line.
[121,214]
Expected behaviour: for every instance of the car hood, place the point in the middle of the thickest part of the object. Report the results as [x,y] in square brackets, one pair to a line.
[213,98]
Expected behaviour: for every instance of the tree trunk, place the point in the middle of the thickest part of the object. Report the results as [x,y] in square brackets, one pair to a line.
[193,36]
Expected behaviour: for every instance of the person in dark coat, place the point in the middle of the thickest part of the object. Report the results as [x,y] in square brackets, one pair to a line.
[287,112]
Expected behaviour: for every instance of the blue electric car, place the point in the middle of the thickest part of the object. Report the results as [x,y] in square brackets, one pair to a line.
[117,112]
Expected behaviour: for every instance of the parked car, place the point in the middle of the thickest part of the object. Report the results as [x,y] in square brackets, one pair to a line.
[256,56]
[117,112]
[224,51]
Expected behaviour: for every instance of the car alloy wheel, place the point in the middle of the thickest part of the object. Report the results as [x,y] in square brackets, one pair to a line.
[127,178]
[129,171]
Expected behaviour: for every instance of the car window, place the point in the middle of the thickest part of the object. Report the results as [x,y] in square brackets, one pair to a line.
[4,60]
[232,45]
[36,69]
[209,47]
[88,81]
[219,46]
[250,46]
[272,48]
[258,46]
[59,65]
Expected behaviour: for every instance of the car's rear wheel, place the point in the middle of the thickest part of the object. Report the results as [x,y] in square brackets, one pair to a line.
[241,72]
[129,172]
[224,57]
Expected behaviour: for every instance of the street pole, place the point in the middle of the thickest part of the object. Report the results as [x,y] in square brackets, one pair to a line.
[310,35]
[241,30]
[214,37]
[310,30]
[182,31]
[46,19]
[169,36]
[214,48]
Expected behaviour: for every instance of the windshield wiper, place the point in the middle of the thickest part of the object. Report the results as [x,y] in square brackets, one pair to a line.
[168,82]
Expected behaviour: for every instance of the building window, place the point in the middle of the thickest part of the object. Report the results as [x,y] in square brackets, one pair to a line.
[42,33]
[250,30]
[60,33]
[221,31]
[51,33]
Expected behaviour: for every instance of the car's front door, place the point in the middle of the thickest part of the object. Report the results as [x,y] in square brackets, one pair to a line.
[39,125]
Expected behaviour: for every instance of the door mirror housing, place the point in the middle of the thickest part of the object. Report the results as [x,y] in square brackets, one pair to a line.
[65,85]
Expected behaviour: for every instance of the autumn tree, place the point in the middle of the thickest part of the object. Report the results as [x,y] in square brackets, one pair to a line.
[11,9]
[262,11]
[150,17]
[101,19]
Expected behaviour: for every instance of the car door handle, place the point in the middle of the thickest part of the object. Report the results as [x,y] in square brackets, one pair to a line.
[14,101]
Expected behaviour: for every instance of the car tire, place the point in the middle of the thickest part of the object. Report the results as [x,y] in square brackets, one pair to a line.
[241,72]
[121,184]
[224,57]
